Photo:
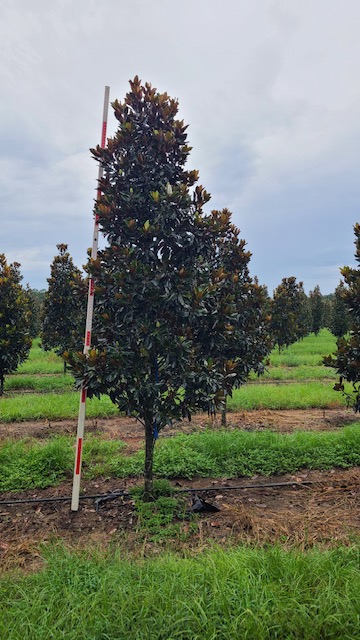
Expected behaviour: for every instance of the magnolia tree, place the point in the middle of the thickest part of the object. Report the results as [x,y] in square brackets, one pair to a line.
[290,313]
[346,360]
[339,320]
[317,308]
[64,306]
[15,339]
[169,281]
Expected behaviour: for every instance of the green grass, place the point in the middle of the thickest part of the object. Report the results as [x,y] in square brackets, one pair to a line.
[291,396]
[56,406]
[300,372]
[52,406]
[239,453]
[309,351]
[40,361]
[29,463]
[39,383]
[324,343]
[244,593]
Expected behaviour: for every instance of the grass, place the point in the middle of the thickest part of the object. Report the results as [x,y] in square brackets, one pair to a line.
[39,383]
[242,593]
[29,463]
[61,406]
[40,361]
[292,396]
[300,372]
[52,406]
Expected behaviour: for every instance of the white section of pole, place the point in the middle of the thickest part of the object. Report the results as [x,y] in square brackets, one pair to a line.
[88,328]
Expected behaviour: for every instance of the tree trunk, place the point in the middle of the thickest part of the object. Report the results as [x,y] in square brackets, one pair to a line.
[64,367]
[149,458]
[223,413]
[1,384]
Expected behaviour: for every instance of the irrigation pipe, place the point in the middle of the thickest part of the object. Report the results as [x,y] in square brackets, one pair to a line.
[117,494]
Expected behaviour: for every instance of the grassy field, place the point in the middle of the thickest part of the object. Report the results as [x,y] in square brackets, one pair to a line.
[111,592]
[232,594]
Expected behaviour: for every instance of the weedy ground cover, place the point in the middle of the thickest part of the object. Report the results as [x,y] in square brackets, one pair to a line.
[240,593]
[32,464]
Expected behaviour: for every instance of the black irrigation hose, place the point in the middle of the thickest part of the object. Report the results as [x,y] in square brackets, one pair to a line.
[117,494]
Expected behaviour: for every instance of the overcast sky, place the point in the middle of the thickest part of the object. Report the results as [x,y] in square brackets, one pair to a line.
[270,90]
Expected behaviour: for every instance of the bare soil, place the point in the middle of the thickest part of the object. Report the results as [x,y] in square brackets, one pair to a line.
[324,510]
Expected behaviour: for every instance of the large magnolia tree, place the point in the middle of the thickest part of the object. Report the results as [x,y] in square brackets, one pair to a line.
[15,338]
[169,281]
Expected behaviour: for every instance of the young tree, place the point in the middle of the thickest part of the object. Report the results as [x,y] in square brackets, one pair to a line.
[64,306]
[317,310]
[15,340]
[164,310]
[339,324]
[289,313]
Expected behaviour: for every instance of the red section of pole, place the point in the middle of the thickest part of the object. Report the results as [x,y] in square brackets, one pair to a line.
[88,328]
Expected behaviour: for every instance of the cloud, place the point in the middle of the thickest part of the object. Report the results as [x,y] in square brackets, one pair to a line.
[271,93]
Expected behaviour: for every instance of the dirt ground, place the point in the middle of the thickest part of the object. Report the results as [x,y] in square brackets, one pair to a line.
[324,510]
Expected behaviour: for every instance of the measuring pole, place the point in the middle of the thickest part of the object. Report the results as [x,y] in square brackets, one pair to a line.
[88,327]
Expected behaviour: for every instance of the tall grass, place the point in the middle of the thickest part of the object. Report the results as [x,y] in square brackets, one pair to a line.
[29,464]
[244,593]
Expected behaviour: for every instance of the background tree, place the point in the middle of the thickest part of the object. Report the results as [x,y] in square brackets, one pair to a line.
[346,360]
[64,306]
[317,310]
[15,340]
[248,335]
[289,316]
[339,324]
[163,308]
[35,312]
[304,314]
[328,301]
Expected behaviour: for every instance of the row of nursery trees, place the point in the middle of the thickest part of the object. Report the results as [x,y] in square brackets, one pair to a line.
[178,321]
[58,314]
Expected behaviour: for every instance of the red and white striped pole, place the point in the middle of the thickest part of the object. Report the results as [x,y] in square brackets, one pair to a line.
[89,318]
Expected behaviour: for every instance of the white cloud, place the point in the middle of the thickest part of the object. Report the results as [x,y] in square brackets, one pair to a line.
[270,90]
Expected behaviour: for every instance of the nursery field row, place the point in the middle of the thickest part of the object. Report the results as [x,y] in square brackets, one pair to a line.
[64,405]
